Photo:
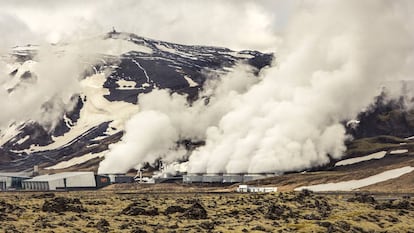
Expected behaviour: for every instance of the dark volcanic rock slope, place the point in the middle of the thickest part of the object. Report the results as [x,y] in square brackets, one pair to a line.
[110,91]
[173,66]
[385,117]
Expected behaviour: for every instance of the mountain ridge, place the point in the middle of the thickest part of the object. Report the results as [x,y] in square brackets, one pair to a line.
[110,90]
[118,80]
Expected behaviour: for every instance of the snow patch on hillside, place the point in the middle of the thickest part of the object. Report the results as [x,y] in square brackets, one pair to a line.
[190,82]
[165,48]
[8,133]
[401,151]
[96,110]
[126,85]
[27,66]
[410,138]
[77,160]
[378,155]
[356,184]
[22,140]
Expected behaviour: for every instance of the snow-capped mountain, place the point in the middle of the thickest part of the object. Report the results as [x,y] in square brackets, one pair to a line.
[127,66]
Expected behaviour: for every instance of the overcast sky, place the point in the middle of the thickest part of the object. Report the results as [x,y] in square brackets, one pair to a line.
[238,24]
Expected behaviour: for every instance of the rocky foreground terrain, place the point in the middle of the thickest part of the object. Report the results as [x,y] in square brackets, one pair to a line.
[112,211]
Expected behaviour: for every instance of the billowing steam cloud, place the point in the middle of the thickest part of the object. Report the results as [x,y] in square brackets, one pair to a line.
[335,57]
[23,22]
[52,82]
[52,85]
[238,24]
[170,118]
[248,25]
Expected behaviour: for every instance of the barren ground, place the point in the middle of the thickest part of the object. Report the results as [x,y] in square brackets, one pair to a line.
[169,210]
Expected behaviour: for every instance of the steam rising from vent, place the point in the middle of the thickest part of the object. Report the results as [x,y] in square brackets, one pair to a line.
[333,61]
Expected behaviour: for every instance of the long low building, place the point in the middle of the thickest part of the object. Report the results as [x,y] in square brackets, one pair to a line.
[222,178]
[66,181]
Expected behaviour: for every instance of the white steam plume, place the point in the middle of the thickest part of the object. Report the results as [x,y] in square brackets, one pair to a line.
[55,80]
[334,59]
[152,123]
[144,140]
[56,74]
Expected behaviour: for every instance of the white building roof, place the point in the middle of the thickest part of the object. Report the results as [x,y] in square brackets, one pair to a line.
[15,174]
[59,176]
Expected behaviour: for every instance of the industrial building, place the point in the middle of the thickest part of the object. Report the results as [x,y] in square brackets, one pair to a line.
[193,178]
[118,178]
[231,178]
[12,181]
[223,178]
[66,181]
[253,189]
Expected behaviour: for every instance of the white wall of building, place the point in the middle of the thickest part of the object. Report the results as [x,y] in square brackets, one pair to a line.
[82,180]
[57,181]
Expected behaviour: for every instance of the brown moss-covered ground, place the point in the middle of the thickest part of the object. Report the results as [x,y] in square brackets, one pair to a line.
[112,211]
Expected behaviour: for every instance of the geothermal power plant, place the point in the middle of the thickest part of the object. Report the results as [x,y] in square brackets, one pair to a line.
[66,181]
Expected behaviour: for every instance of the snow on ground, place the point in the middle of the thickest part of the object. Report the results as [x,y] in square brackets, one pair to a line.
[377,155]
[95,111]
[190,82]
[402,151]
[77,160]
[142,68]
[410,138]
[26,66]
[22,140]
[352,122]
[145,85]
[126,85]
[356,184]
[176,52]
[8,133]
[68,121]
[165,48]
[21,69]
